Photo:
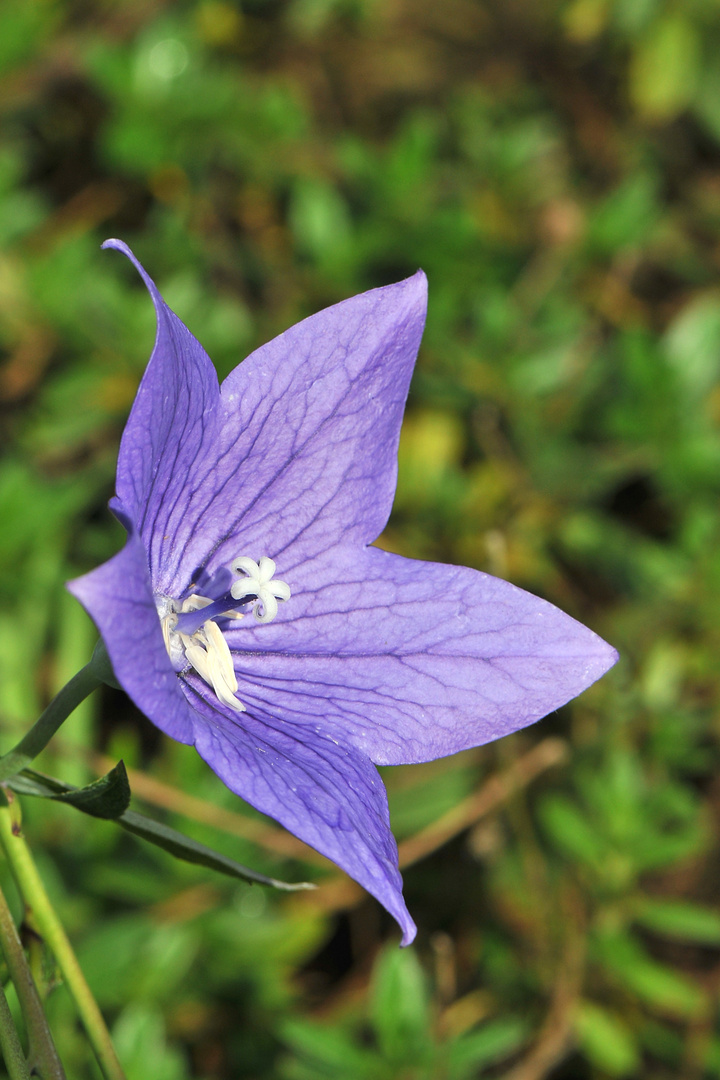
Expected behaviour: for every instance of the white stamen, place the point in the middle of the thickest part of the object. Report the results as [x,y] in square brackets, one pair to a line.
[259,582]
[206,650]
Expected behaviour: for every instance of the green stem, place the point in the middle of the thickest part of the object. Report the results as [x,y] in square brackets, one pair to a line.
[57,711]
[10,1046]
[51,930]
[42,1053]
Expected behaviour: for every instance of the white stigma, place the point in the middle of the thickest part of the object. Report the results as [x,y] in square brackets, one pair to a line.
[259,582]
[206,649]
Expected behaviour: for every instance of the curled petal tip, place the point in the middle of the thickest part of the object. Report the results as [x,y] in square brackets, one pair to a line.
[120,245]
[409,930]
[116,245]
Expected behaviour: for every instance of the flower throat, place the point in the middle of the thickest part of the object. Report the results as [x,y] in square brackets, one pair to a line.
[193,637]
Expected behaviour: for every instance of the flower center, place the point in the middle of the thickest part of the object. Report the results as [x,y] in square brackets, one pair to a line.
[191,634]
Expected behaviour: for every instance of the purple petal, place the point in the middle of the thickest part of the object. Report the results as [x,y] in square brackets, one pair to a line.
[119,598]
[301,452]
[328,794]
[313,420]
[412,661]
[170,434]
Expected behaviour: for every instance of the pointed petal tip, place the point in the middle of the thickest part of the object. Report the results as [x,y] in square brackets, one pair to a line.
[409,930]
[417,285]
[603,654]
[420,278]
[610,658]
[116,245]
[113,244]
[597,664]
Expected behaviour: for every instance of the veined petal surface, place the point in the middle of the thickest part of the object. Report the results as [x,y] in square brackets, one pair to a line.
[290,468]
[119,597]
[324,791]
[298,448]
[411,661]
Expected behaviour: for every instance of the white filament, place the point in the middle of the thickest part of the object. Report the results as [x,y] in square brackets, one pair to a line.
[206,649]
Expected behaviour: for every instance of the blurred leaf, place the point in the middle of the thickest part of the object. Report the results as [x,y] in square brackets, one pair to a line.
[606,1040]
[664,71]
[399,1005]
[490,1044]
[712,1057]
[26,28]
[626,216]
[141,1042]
[571,830]
[655,984]
[320,220]
[679,920]
[634,16]
[585,19]
[692,344]
[329,1050]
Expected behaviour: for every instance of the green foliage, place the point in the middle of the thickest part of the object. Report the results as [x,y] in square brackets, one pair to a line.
[398,1040]
[108,797]
[555,169]
[607,1040]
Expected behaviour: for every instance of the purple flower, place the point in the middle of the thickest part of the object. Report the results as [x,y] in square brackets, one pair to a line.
[247,615]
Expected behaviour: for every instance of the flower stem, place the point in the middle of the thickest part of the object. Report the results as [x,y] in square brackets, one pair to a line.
[12,1051]
[42,731]
[51,930]
[42,1053]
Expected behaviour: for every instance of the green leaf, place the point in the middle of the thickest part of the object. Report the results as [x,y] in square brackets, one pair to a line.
[570,829]
[182,847]
[680,920]
[399,1007]
[655,984]
[108,797]
[606,1040]
[664,71]
[489,1044]
[30,782]
[330,1050]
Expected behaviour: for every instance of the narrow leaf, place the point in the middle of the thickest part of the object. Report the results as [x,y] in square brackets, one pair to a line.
[606,1040]
[182,847]
[108,797]
[680,920]
[30,782]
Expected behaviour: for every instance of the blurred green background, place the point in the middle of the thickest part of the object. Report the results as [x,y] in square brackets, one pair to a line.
[554,166]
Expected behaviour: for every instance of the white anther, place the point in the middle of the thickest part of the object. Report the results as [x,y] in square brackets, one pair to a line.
[206,650]
[259,582]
